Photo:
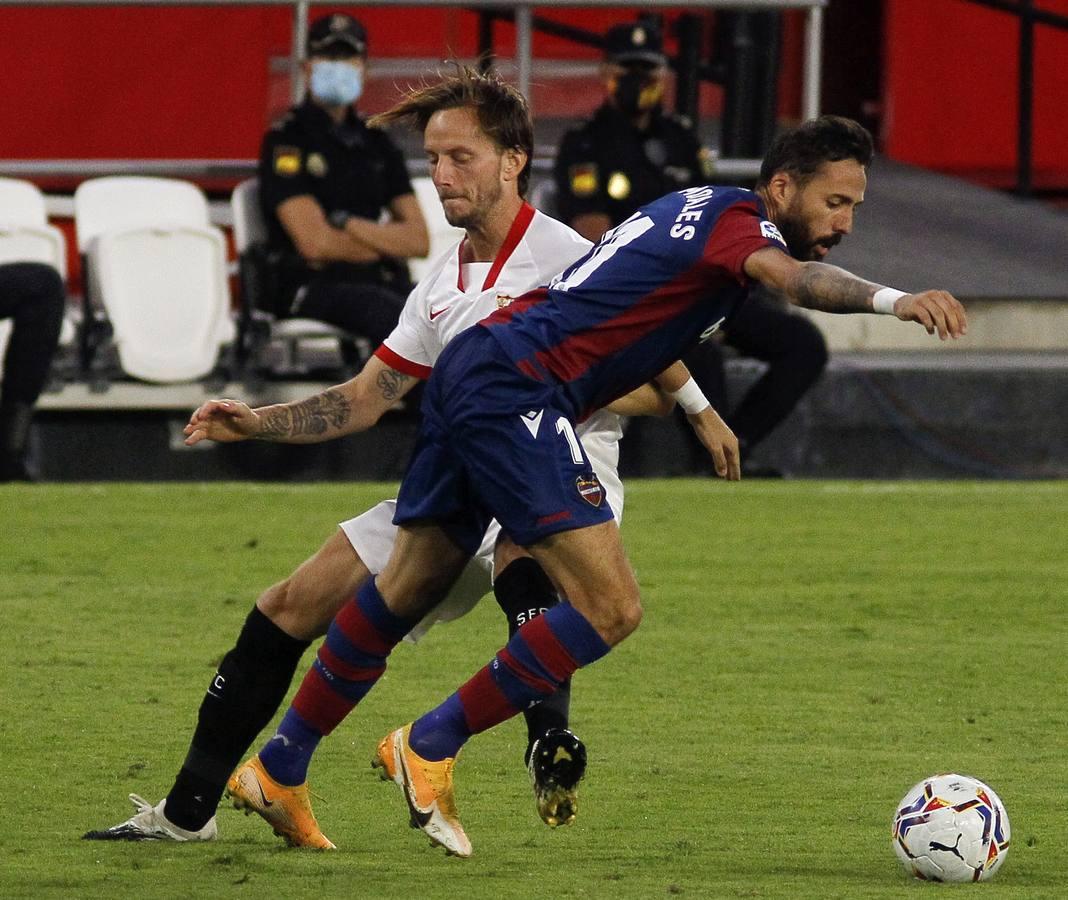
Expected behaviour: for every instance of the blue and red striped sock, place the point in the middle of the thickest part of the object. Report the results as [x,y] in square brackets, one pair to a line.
[539,657]
[349,662]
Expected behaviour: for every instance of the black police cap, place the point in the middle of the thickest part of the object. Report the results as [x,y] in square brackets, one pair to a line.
[637,42]
[337,30]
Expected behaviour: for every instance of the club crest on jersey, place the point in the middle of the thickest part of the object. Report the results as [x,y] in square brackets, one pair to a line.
[504,300]
[771,231]
[589,488]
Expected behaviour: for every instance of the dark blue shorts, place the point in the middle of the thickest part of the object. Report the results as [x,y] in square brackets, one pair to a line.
[496,444]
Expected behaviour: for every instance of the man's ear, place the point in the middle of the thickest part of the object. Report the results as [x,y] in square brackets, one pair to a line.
[514,161]
[781,188]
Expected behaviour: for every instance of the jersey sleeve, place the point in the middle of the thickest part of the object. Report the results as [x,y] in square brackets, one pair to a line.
[283,171]
[407,347]
[740,232]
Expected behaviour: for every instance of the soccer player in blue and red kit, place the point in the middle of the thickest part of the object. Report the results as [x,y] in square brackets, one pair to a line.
[498,440]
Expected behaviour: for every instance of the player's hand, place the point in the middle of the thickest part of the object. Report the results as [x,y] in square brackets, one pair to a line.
[223,421]
[720,442]
[936,311]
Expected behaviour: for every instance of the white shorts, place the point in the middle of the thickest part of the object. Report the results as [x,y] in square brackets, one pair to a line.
[372,534]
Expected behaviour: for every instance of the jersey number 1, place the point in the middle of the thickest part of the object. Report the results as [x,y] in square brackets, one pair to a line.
[564,427]
[620,236]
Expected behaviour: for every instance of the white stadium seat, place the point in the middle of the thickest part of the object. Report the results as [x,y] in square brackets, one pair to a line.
[158,269]
[129,201]
[25,235]
[249,227]
[442,234]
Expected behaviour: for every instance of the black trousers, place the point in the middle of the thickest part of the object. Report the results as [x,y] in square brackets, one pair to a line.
[366,310]
[33,297]
[766,328]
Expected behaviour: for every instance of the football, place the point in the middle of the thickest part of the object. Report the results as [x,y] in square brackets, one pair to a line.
[951,828]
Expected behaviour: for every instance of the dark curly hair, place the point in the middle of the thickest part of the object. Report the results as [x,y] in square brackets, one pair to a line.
[502,111]
[802,150]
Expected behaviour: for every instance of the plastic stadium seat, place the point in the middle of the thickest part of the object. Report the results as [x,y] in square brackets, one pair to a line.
[129,201]
[258,325]
[442,234]
[543,196]
[25,235]
[166,295]
[158,269]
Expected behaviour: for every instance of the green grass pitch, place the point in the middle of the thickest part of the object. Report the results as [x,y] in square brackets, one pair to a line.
[809,651]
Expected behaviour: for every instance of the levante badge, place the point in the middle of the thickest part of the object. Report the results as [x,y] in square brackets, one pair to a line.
[590,489]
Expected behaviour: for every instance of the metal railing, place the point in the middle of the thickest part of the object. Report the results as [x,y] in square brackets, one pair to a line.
[523,12]
[1029,16]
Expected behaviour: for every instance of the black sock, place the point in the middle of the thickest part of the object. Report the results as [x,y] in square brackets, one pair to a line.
[242,697]
[524,592]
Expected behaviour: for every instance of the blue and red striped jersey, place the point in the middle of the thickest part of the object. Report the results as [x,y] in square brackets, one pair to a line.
[652,287]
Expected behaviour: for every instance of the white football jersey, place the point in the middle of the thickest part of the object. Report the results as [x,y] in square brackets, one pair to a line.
[452,297]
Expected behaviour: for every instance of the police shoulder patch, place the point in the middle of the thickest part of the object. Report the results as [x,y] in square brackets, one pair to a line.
[618,186]
[583,179]
[286,160]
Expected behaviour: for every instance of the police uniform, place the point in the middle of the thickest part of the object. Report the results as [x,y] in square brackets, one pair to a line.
[347,168]
[610,166]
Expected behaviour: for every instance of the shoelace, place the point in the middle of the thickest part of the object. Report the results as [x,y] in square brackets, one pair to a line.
[141,803]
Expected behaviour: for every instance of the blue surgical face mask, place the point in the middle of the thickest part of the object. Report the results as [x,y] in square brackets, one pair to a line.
[336,83]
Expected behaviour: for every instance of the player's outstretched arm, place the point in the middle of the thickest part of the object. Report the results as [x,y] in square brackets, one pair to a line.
[353,406]
[713,433]
[828,288]
[647,400]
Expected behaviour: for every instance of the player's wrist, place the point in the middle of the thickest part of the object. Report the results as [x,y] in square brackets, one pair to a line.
[885,299]
[259,425]
[690,397]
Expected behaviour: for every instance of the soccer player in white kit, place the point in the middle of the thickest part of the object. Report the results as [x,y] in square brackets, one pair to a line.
[453,296]
[509,248]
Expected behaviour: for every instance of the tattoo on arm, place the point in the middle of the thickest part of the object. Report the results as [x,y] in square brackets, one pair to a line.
[391,383]
[316,415]
[828,288]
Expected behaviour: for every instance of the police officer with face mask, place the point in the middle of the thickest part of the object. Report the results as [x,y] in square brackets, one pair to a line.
[633,152]
[325,181]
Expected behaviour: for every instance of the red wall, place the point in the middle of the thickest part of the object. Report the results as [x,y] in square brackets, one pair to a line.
[950,85]
[194,82]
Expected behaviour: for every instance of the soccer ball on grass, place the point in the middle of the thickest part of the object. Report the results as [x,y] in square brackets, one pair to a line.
[951,828]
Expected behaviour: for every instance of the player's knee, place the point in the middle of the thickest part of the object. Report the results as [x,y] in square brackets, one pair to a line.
[621,620]
[291,609]
[629,617]
[275,602]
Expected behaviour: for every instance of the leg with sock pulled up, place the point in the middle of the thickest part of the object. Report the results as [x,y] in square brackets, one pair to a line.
[591,569]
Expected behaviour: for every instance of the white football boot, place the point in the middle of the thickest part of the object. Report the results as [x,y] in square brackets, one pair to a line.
[150,823]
